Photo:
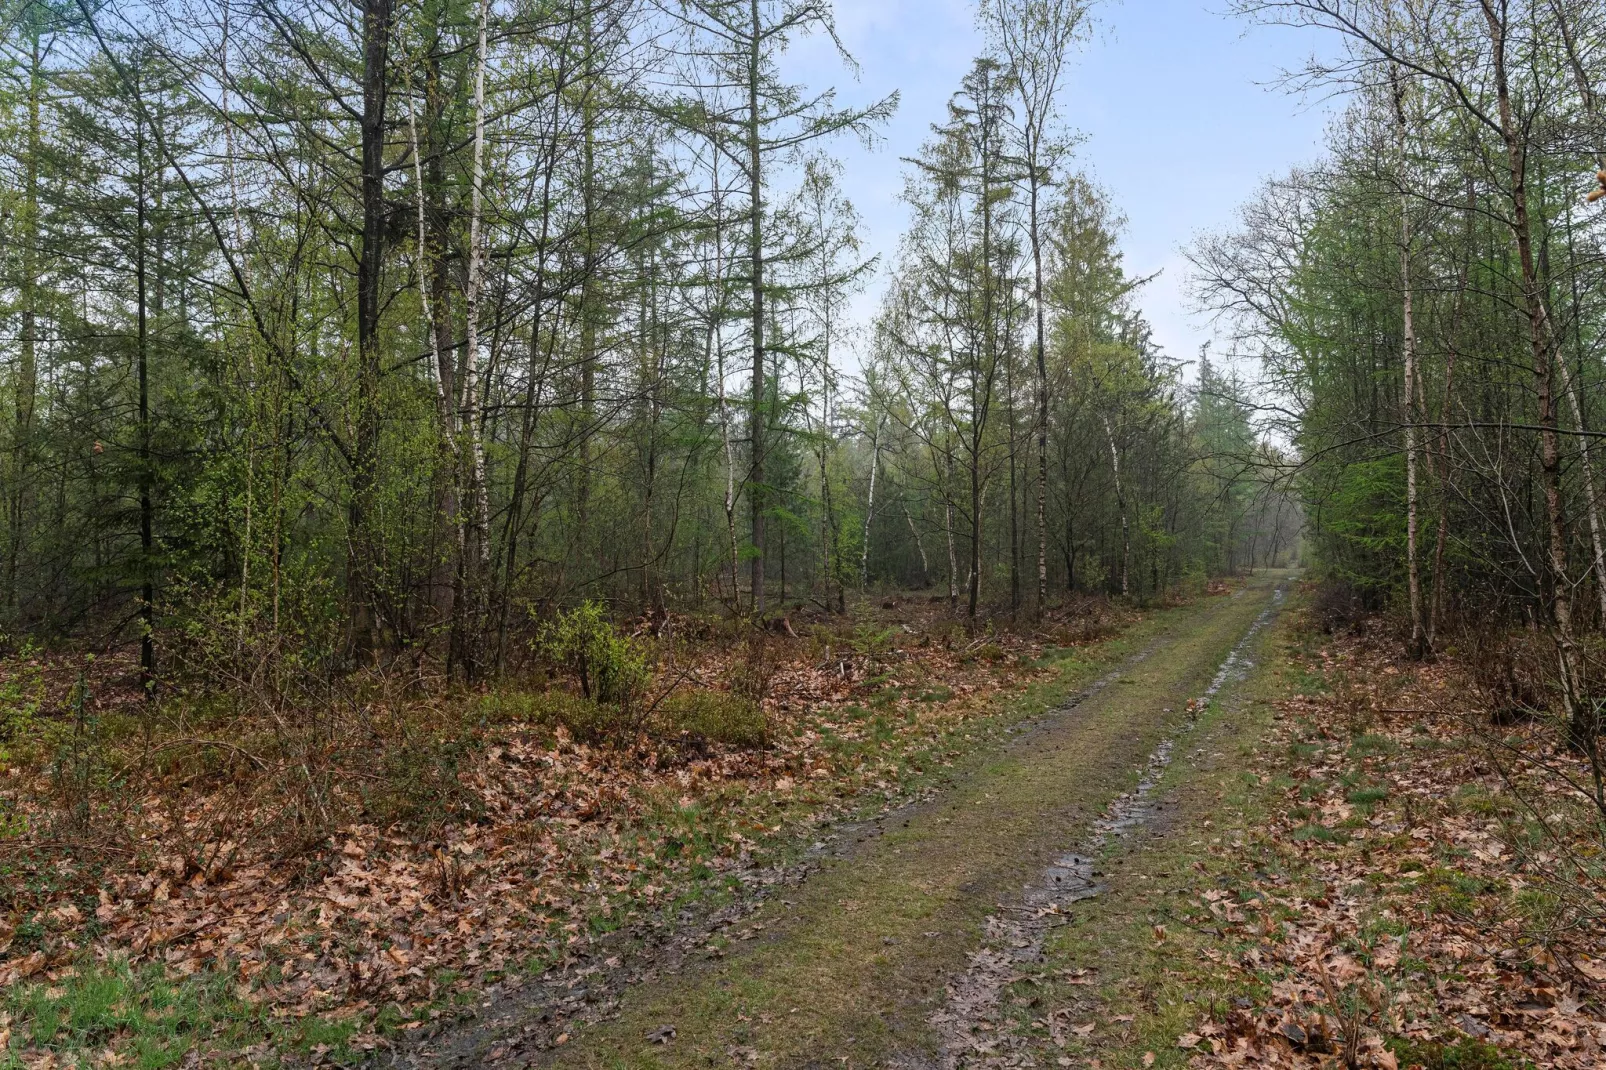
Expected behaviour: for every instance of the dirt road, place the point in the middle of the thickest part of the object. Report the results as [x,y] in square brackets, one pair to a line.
[896,950]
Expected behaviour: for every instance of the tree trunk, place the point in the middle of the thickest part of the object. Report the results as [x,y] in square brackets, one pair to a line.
[1042,402]
[1014,497]
[758,416]
[650,356]
[1586,92]
[1441,531]
[714,357]
[974,581]
[27,381]
[1120,501]
[476,559]
[147,511]
[1581,718]
[588,285]
[1597,537]
[869,508]
[428,270]
[1418,644]
[362,539]
[920,545]
[948,530]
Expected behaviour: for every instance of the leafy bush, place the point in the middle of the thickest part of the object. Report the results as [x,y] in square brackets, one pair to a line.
[587,721]
[715,717]
[610,668]
[22,694]
[872,641]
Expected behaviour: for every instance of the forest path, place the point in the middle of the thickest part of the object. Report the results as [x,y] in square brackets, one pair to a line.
[891,952]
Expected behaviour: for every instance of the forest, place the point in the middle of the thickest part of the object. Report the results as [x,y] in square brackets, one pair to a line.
[500,567]
[1427,305]
[357,335]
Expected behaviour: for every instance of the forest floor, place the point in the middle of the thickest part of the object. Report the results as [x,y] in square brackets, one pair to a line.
[899,948]
[1212,835]
[207,879]
[1247,844]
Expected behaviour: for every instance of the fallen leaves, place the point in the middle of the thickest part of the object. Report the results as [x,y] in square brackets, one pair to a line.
[1393,895]
[538,838]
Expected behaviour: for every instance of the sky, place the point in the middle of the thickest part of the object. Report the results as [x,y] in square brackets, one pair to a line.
[1177,103]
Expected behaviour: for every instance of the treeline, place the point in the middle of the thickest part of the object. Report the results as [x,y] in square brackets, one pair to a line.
[337,331]
[1430,302]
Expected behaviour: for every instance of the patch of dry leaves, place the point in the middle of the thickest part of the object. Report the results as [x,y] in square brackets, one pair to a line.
[1465,904]
[563,837]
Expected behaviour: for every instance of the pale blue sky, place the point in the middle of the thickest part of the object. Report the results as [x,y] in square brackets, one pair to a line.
[1175,100]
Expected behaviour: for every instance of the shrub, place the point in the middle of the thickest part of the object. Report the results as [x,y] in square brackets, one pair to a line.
[610,668]
[22,693]
[1087,628]
[1337,606]
[872,641]
[1462,1055]
[715,717]
[752,675]
[419,788]
[586,720]
[1503,667]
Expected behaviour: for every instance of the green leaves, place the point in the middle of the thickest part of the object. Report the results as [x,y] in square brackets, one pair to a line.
[610,668]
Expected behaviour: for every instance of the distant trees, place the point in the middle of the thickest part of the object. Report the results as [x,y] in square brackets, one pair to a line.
[762,118]
[1035,37]
[1147,483]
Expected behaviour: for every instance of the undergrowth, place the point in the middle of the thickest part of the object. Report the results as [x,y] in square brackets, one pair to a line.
[138,929]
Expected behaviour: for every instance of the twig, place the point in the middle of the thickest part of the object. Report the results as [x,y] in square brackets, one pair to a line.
[18,846]
[1446,713]
[260,763]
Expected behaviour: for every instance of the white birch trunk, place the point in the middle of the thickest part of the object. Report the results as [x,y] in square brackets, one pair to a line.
[471,311]
[869,507]
[1120,500]
[1418,645]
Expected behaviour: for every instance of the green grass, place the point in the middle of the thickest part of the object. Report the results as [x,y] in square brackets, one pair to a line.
[715,717]
[1367,796]
[153,1019]
[1462,1055]
[1453,892]
[1367,745]
[1320,834]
